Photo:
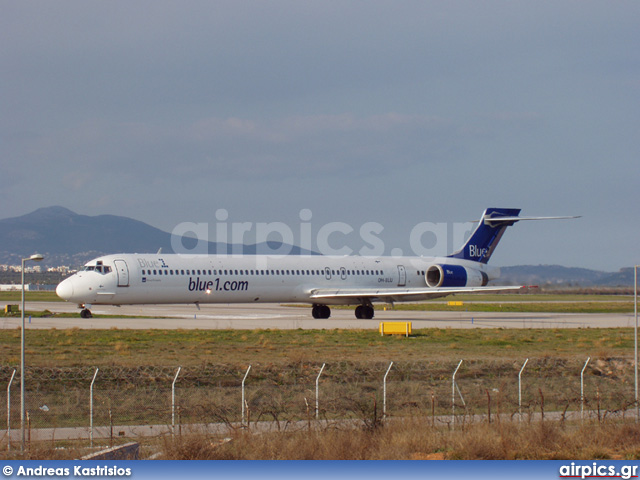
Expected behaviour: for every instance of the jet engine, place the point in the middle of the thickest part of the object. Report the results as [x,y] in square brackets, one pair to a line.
[455,276]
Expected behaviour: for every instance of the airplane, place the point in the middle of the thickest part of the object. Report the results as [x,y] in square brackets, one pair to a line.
[322,281]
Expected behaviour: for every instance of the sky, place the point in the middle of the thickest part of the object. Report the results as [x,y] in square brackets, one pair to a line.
[318,113]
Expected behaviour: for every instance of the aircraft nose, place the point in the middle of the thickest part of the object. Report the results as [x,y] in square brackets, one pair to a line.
[65,289]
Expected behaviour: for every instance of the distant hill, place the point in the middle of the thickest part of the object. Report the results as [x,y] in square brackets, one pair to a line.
[556,275]
[66,238]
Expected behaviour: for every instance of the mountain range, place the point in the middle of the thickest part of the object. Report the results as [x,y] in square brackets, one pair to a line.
[67,238]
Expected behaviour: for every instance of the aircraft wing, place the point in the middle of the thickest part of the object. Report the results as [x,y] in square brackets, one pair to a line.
[397,294]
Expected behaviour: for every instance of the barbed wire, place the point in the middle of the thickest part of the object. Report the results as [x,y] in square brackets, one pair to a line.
[299,372]
[140,395]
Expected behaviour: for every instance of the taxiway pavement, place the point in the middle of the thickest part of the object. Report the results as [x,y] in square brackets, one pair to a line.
[269,316]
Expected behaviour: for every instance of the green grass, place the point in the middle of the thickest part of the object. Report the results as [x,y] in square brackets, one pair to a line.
[285,365]
[522,307]
[77,347]
[37,296]
[537,297]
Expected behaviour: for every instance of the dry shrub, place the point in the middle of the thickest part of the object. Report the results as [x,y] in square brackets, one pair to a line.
[417,439]
[505,441]
[43,451]
[192,447]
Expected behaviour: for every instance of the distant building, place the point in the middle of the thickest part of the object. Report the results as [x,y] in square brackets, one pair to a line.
[14,288]
[60,269]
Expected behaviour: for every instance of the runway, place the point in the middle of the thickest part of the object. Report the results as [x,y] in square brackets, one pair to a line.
[277,317]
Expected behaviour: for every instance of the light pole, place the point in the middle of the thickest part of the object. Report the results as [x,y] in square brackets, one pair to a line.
[635,337]
[36,257]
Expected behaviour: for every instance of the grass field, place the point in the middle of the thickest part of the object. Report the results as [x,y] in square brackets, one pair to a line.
[15,297]
[539,306]
[285,363]
[76,347]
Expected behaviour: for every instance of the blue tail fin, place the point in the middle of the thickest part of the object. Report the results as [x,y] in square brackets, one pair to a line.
[487,234]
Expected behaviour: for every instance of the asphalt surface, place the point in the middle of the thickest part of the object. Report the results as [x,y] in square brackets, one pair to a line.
[268,316]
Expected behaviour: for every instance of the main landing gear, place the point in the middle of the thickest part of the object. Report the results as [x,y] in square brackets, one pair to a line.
[321,311]
[363,312]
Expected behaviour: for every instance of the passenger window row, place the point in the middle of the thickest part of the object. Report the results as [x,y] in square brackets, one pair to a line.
[260,272]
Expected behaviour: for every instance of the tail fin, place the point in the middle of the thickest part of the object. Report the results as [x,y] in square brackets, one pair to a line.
[487,234]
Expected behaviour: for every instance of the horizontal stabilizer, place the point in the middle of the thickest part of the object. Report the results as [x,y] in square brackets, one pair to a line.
[497,220]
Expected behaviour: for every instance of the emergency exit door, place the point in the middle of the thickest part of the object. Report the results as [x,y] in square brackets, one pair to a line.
[402,276]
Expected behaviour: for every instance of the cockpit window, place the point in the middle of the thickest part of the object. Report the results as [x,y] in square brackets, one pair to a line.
[97,268]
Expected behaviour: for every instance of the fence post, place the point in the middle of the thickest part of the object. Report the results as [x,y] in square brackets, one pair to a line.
[453,393]
[91,407]
[173,403]
[384,392]
[520,388]
[9,410]
[582,389]
[245,377]
[318,392]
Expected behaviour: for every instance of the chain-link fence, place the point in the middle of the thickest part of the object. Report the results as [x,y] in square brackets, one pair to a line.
[151,395]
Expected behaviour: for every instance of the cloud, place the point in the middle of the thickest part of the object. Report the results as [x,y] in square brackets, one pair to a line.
[342,144]
[234,147]
[390,107]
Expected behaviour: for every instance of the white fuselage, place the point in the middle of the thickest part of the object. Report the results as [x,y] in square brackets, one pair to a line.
[125,279]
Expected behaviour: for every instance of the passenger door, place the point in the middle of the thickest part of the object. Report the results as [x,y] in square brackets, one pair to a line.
[123,273]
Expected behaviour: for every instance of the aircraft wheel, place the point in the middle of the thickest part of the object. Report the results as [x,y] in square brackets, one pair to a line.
[85,313]
[320,311]
[364,312]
